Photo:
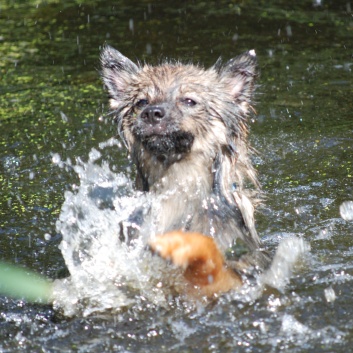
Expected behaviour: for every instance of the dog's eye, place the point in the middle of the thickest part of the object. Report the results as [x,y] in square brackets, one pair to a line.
[142,103]
[188,101]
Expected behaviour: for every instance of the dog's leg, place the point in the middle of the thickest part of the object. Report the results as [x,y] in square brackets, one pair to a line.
[203,264]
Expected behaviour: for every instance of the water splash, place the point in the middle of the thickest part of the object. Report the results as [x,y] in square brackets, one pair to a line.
[288,253]
[108,273]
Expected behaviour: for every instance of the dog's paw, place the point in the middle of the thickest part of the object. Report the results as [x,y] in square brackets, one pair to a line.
[178,247]
[200,258]
[188,250]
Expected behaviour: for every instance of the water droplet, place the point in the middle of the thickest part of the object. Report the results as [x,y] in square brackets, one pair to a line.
[330,295]
[346,210]
[289,31]
[131,24]
[47,236]
[56,159]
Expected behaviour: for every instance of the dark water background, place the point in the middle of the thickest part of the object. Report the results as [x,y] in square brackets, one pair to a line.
[51,99]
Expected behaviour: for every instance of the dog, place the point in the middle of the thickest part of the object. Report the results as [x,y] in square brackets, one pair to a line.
[185,128]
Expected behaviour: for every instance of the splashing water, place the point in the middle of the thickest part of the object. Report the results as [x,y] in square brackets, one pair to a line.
[288,252]
[107,273]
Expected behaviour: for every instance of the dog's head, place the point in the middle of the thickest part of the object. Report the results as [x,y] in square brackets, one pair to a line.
[172,110]
[168,108]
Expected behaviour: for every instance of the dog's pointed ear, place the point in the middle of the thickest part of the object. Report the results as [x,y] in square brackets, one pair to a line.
[117,71]
[239,76]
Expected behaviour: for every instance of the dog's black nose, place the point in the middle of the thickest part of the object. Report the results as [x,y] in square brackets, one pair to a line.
[153,114]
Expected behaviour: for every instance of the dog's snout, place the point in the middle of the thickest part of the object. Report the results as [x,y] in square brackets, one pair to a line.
[153,114]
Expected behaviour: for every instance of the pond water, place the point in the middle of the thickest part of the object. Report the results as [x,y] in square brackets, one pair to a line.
[56,145]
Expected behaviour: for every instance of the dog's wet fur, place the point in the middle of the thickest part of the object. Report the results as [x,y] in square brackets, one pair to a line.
[185,128]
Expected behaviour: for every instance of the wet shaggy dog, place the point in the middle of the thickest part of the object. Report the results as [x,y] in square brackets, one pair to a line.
[185,128]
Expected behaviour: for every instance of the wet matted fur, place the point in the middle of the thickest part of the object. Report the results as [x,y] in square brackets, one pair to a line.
[185,128]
